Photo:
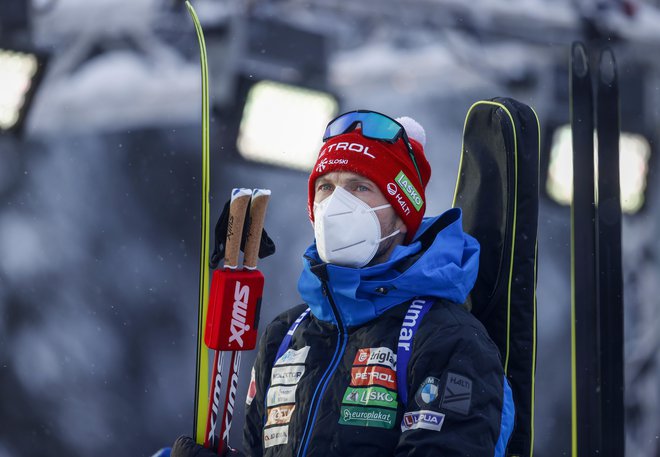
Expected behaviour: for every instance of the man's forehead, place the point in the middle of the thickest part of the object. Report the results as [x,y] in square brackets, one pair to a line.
[341,177]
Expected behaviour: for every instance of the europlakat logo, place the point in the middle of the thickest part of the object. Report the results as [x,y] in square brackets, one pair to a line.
[409,189]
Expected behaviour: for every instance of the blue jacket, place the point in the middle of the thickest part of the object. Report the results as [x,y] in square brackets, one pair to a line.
[329,383]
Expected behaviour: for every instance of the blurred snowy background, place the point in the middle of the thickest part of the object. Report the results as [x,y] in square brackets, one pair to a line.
[100,190]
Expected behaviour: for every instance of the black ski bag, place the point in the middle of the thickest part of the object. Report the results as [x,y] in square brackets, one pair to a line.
[497,189]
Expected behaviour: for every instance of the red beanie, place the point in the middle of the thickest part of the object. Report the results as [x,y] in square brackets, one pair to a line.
[388,165]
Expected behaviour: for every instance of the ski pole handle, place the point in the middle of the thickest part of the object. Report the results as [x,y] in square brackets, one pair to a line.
[258,205]
[240,199]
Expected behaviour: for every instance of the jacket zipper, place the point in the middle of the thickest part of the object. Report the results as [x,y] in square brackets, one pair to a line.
[342,338]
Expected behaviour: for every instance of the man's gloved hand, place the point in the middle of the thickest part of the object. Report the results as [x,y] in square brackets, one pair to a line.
[185,446]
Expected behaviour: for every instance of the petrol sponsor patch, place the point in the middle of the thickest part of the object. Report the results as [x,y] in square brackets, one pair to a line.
[279,395]
[280,415]
[276,435]
[252,388]
[376,356]
[293,356]
[367,417]
[428,392]
[428,420]
[286,375]
[409,189]
[370,396]
[457,394]
[373,375]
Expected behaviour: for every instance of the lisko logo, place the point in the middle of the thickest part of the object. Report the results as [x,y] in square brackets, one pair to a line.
[232,396]
[239,313]
[371,396]
[428,420]
[391,188]
[409,189]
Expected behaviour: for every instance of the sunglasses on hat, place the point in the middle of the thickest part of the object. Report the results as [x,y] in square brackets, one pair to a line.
[373,125]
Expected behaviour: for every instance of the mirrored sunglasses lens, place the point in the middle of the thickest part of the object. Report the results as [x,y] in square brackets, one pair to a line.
[340,125]
[380,127]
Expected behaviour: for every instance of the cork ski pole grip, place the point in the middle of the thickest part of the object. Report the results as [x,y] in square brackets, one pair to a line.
[258,205]
[240,199]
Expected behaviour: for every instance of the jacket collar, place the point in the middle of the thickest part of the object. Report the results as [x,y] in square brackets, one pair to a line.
[441,262]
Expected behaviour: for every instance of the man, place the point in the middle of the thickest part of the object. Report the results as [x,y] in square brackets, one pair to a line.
[381,359]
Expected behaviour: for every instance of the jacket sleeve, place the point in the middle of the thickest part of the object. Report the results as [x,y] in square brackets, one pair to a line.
[255,406]
[455,395]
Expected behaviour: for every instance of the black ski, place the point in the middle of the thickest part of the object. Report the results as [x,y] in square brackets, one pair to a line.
[586,398]
[610,275]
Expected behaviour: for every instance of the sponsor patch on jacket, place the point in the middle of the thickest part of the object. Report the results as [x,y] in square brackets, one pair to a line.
[287,375]
[367,417]
[376,356]
[252,388]
[280,415]
[457,394]
[428,392]
[373,375]
[276,435]
[428,420]
[293,356]
[370,396]
[279,395]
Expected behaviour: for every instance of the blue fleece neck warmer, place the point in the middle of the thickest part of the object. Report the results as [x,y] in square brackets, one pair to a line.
[447,269]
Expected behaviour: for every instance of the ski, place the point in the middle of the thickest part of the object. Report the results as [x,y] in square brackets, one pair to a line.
[585,382]
[202,359]
[610,275]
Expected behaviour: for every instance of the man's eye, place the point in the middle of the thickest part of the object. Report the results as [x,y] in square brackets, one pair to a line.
[325,187]
[361,188]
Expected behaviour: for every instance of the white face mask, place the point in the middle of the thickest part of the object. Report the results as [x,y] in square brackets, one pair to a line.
[347,230]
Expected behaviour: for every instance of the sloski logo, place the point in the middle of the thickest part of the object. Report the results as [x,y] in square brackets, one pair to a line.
[239,313]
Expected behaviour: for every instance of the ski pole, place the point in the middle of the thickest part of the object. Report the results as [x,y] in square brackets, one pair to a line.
[235,301]
[258,205]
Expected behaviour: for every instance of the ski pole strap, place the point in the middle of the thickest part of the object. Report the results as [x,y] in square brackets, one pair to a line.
[416,311]
[286,341]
